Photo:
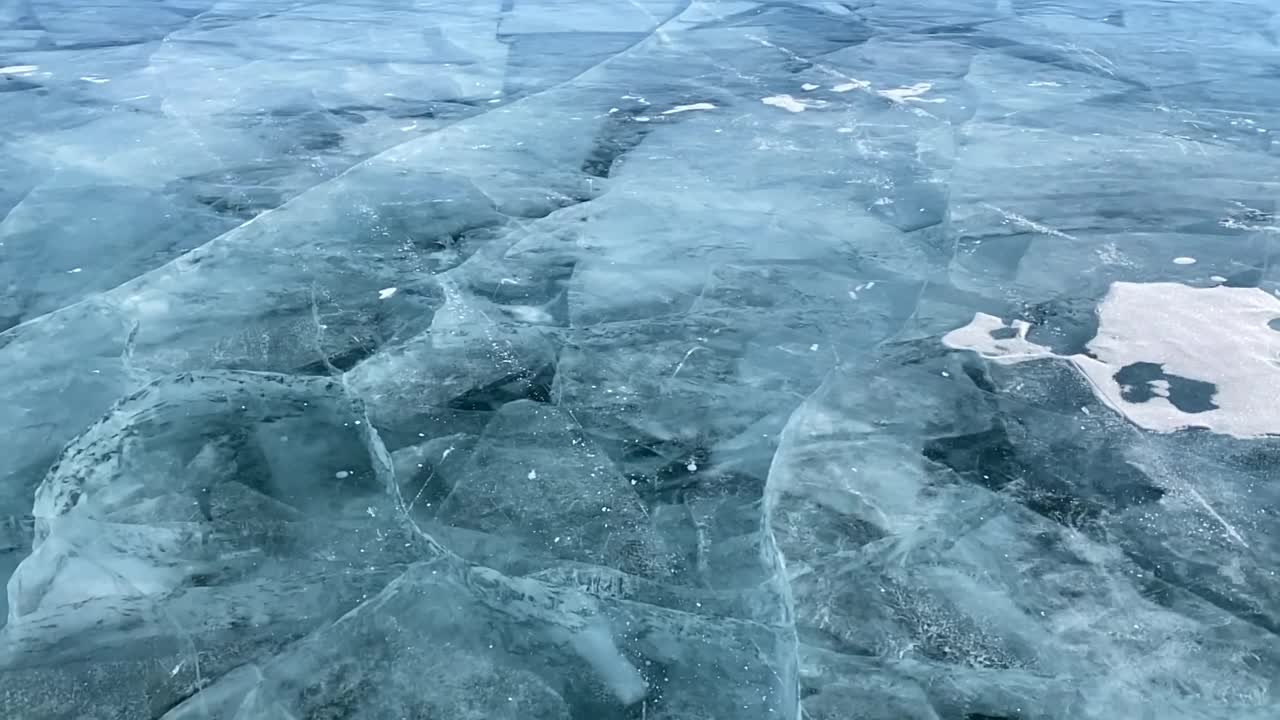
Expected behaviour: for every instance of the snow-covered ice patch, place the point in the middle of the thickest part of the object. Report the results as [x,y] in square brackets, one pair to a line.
[1184,260]
[808,86]
[18,69]
[385,293]
[1156,340]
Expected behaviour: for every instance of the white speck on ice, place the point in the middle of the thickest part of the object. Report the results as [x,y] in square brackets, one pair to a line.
[846,87]
[1184,260]
[1044,83]
[786,102]
[692,466]
[808,86]
[813,347]
[385,293]
[342,474]
[18,69]
[1217,278]
[533,475]
[95,80]
[76,270]
[687,108]
[844,130]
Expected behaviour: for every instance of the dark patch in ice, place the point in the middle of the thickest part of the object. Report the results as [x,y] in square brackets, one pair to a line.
[13,84]
[341,361]
[1064,325]
[532,385]
[620,134]
[1245,278]
[1188,395]
[1063,481]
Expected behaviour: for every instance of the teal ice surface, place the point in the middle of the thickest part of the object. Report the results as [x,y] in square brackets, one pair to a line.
[639,359]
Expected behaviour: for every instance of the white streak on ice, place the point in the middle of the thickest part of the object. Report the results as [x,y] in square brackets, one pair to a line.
[687,108]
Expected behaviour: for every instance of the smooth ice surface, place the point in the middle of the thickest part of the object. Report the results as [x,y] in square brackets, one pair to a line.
[639,359]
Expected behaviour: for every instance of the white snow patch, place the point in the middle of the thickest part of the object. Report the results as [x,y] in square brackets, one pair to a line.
[1184,260]
[1044,83]
[855,85]
[977,336]
[786,102]
[1188,331]
[808,86]
[385,293]
[687,108]
[342,474]
[533,475]
[18,69]
[96,80]
[909,92]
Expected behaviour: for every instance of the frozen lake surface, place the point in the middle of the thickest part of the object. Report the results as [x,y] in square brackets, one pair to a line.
[640,360]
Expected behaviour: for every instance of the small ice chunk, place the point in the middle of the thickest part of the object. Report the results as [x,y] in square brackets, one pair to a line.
[18,69]
[75,270]
[385,293]
[342,474]
[846,87]
[808,86]
[1217,278]
[1184,260]
[687,108]
[533,475]
[94,79]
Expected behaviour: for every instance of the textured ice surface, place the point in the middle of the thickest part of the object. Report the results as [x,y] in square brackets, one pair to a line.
[712,360]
